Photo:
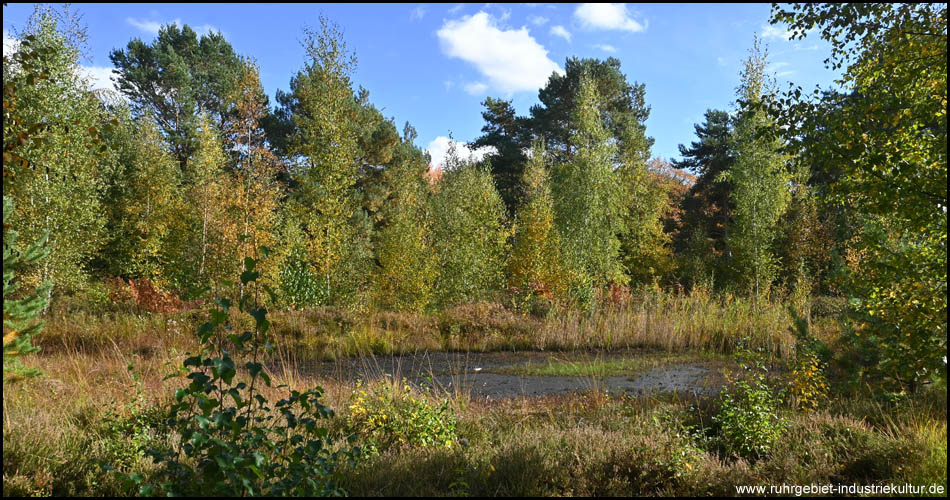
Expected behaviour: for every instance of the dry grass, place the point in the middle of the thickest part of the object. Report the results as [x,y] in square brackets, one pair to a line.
[57,432]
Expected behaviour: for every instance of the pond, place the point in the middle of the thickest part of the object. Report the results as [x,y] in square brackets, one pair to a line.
[497,375]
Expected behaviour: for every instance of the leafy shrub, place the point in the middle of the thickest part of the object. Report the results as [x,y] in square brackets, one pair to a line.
[231,442]
[299,287]
[748,418]
[808,388]
[143,295]
[127,431]
[392,416]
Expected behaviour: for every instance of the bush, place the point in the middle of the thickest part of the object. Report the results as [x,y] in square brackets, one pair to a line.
[230,441]
[391,416]
[748,418]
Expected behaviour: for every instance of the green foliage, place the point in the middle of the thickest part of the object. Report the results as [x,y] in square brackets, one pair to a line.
[20,314]
[808,387]
[535,268]
[230,441]
[760,183]
[703,234]
[882,143]
[470,237]
[391,416]
[128,430]
[61,196]
[749,420]
[324,143]
[644,246]
[588,196]
[299,287]
[142,199]
[201,74]
[508,135]
[406,268]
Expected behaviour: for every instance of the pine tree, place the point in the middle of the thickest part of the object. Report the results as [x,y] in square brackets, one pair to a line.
[20,315]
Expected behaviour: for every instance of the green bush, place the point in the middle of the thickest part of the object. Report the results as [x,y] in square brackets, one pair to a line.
[391,416]
[748,417]
[230,441]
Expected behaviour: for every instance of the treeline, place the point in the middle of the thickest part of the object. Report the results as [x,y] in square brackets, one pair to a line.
[192,170]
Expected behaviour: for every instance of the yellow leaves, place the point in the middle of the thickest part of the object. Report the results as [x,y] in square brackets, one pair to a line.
[10,337]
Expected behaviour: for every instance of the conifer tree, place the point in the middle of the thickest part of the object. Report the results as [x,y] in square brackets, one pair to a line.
[20,315]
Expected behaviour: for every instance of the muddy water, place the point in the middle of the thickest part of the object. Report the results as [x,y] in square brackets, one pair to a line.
[482,375]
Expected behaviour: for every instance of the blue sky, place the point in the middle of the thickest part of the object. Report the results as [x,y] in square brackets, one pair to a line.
[432,64]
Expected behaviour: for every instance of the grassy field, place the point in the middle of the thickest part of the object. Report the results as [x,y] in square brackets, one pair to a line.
[100,400]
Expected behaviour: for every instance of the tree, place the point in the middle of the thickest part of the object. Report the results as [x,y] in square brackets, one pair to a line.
[204,244]
[508,135]
[885,137]
[20,314]
[406,268]
[707,207]
[469,233]
[59,191]
[176,78]
[622,107]
[142,199]
[535,266]
[325,146]
[644,246]
[760,182]
[587,194]
[255,168]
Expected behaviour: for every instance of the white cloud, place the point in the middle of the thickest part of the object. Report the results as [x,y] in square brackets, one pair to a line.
[721,61]
[511,60]
[776,66]
[152,27]
[769,31]
[417,14]
[439,148]
[476,88]
[561,32]
[98,77]
[538,20]
[607,16]
[606,48]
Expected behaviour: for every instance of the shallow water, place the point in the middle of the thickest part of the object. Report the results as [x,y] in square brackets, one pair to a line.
[478,374]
